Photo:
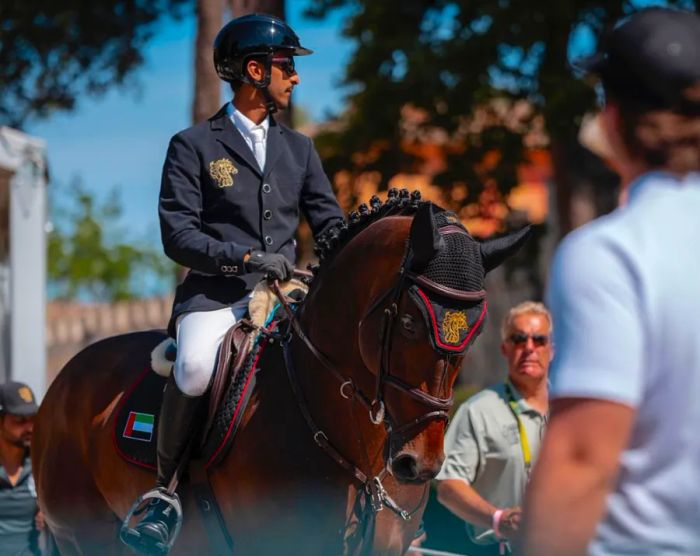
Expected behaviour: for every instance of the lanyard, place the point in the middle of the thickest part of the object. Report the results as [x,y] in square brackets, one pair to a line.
[524,444]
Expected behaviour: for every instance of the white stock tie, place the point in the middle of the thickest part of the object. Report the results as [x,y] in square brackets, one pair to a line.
[258,136]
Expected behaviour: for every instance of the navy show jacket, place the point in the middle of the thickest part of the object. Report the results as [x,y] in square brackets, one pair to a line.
[216,205]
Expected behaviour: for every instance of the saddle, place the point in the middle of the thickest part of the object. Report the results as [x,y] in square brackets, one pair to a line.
[233,381]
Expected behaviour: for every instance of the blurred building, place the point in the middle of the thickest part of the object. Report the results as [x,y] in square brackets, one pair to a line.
[23,180]
[72,326]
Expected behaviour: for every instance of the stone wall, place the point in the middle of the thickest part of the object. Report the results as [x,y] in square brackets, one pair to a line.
[71,326]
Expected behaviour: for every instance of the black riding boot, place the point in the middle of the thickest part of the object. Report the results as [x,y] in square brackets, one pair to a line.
[179,418]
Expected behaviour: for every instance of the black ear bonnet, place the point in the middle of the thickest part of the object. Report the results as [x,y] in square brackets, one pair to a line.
[449,288]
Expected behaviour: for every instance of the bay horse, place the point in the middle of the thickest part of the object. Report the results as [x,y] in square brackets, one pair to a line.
[344,429]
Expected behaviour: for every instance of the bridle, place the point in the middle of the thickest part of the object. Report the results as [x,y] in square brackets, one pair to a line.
[437,406]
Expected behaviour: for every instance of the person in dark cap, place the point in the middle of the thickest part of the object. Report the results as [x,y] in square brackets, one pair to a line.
[19,515]
[619,468]
[232,192]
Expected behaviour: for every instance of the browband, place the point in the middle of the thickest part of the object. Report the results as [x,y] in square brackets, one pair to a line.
[445,290]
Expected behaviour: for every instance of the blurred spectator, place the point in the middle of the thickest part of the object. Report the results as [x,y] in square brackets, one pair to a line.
[495,435]
[619,471]
[20,520]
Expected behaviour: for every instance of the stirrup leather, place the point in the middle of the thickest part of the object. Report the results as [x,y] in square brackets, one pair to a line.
[131,537]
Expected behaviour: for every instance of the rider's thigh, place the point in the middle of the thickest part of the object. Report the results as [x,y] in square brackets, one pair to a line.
[199,335]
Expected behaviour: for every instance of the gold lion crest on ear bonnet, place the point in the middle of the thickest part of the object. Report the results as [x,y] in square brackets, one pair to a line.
[453,323]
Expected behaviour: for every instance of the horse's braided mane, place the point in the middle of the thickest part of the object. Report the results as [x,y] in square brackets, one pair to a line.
[333,239]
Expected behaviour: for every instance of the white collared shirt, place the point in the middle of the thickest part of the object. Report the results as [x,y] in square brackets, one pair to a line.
[245,127]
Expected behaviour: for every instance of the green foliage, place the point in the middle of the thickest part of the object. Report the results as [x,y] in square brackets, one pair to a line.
[52,51]
[450,57]
[300,116]
[89,256]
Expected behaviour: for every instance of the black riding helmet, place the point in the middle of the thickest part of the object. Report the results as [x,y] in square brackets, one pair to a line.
[253,35]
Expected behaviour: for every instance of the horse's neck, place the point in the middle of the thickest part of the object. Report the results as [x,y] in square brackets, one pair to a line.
[367,267]
[362,272]
[339,298]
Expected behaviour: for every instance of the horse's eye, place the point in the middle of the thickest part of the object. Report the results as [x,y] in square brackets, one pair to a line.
[407,325]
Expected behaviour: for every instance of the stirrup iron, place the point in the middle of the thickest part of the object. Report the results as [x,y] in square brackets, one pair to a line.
[131,537]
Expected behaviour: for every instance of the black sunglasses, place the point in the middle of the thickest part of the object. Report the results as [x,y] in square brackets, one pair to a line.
[286,64]
[519,339]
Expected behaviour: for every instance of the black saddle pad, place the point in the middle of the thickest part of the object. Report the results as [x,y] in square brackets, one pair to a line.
[136,425]
[137,418]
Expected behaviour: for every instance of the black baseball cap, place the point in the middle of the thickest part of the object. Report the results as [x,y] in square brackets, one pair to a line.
[652,56]
[17,398]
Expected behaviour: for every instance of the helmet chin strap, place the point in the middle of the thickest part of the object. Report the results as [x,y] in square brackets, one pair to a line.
[263,84]
[269,101]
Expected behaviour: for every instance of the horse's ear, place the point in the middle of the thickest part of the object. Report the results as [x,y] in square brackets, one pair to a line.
[495,251]
[425,237]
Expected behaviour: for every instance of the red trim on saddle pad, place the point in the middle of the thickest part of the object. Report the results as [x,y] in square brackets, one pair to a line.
[144,395]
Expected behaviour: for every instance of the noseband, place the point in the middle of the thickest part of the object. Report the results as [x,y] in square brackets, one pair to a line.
[378,413]
[437,407]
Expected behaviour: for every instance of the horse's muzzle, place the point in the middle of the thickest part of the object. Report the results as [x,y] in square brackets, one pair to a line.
[407,467]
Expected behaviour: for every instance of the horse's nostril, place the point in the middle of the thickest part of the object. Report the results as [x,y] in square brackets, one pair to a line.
[405,467]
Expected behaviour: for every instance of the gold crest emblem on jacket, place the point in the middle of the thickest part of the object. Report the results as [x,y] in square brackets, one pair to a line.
[222,172]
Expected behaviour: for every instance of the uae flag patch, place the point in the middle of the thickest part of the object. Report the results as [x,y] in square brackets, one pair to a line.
[139,426]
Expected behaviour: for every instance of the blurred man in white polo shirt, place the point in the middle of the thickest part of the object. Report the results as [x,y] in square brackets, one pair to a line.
[619,470]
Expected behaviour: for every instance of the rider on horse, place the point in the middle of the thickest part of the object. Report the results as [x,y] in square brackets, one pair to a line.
[230,197]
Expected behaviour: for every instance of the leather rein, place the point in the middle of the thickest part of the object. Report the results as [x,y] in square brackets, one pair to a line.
[438,407]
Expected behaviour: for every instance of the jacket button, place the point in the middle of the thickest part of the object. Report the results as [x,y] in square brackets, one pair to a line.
[267,214]
[266,188]
[268,240]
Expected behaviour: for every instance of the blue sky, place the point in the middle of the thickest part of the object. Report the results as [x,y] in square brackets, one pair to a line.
[120,140]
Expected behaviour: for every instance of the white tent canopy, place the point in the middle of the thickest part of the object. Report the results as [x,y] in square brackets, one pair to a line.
[23,180]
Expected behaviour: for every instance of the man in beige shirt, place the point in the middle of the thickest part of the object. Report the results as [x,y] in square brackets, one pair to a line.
[494,438]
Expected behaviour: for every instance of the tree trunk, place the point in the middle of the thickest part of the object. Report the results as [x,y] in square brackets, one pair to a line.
[207,85]
[272,7]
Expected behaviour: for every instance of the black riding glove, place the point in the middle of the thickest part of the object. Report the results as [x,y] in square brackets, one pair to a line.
[273,265]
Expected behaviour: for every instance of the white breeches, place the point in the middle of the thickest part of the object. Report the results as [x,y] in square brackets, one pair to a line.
[199,335]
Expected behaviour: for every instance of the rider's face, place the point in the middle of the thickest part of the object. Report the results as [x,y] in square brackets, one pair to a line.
[283,79]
